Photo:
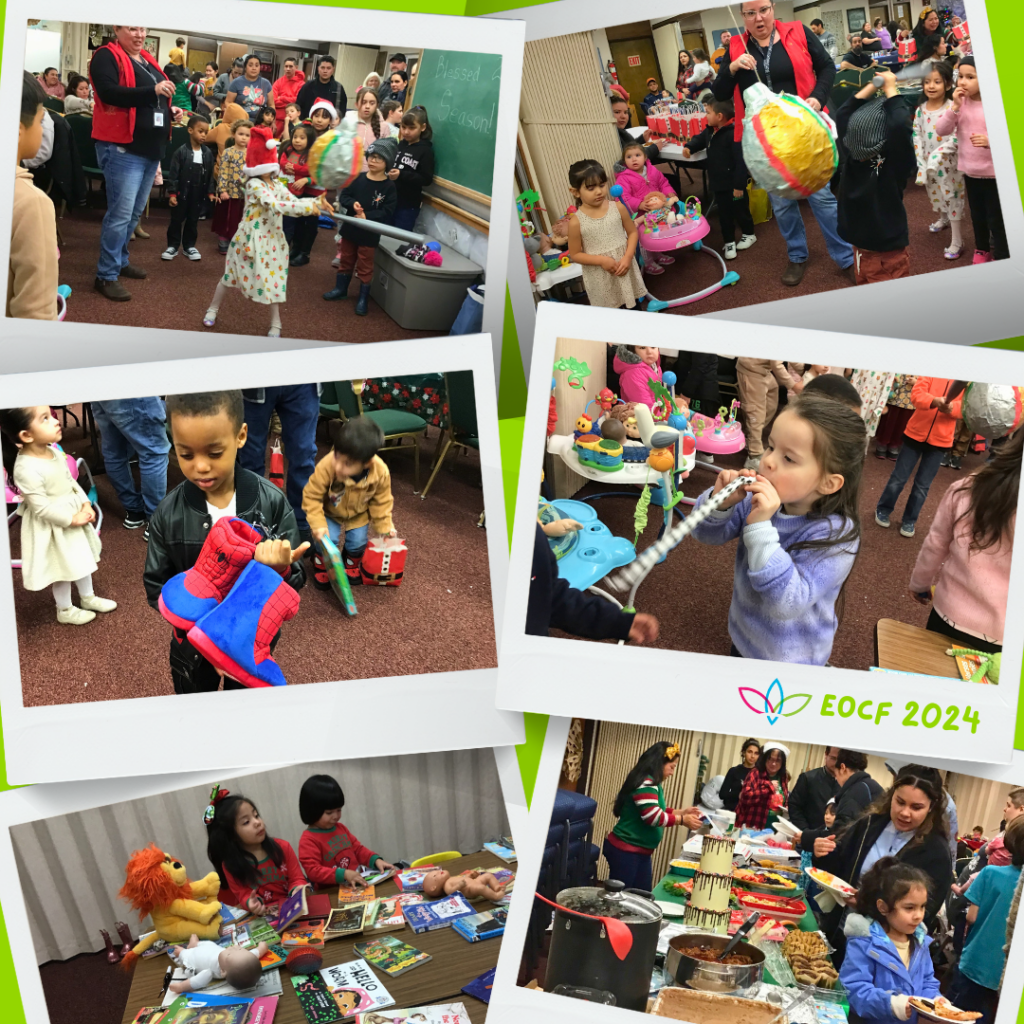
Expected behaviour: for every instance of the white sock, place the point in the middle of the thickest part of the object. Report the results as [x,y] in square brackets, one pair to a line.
[957,238]
[62,595]
[275,320]
[84,586]
[218,298]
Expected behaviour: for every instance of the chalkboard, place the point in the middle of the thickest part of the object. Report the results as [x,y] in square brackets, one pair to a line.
[460,91]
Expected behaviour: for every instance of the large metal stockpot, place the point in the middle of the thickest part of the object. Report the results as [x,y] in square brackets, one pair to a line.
[706,976]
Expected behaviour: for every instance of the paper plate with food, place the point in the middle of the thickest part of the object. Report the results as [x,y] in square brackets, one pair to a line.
[781,908]
[836,891]
[764,881]
[940,1010]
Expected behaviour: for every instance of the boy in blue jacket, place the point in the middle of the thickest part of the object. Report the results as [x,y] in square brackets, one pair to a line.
[887,959]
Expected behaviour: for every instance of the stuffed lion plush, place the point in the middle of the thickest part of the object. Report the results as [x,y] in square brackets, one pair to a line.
[158,885]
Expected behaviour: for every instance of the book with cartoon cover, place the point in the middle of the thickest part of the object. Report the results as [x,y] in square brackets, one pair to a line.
[355,988]
[411,880]
[387,916]
[307,932]
[274,956]
[390,955]
[442,1013]
[428,917]
[315,998]
[356,894]
[344,921]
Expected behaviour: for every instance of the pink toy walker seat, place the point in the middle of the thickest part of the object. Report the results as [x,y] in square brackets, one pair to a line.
[725,439]
[666,239]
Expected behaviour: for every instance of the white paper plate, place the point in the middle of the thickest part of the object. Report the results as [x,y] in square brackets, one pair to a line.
[785,827]
[670,909]
[932,1016]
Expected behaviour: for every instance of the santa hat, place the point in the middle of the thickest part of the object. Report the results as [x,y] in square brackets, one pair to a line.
[261,156]
[324,105]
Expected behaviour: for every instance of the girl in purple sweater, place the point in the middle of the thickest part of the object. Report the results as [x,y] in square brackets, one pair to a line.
[799,532]
[966,118]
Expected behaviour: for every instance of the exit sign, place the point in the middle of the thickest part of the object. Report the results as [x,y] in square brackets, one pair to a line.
[634,62]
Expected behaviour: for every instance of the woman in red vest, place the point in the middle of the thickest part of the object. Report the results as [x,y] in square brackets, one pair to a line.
[787,57]
[131,124]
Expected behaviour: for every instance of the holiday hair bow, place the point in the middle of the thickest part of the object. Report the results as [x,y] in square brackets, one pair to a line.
[672,752]
[216,795]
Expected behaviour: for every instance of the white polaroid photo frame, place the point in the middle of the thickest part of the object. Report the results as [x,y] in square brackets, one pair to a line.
[896,306]
[19,806]
[73,741]
[511,1004]
[37,345]
[559,676]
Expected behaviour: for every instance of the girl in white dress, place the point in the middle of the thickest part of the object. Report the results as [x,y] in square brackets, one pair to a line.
[937,157]
[59,544]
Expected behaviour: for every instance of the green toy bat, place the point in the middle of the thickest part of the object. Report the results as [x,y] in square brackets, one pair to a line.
[336,574]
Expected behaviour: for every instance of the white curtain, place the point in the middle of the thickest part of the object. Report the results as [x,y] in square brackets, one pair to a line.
[72,866]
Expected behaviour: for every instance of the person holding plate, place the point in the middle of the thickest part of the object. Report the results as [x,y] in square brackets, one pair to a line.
[643,817]
[908,822]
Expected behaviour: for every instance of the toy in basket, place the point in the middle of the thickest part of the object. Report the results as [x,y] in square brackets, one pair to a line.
[689,229]
[335,566]
[719,436]
[384,562]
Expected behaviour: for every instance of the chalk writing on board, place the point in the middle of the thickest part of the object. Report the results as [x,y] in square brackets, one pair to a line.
[448,70]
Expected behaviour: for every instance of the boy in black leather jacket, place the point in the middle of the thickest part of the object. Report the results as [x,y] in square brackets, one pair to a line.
[208,430]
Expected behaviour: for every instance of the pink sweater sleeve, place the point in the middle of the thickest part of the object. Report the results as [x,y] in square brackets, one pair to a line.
[634,188]
[948,121]
[658,181]
[935,549]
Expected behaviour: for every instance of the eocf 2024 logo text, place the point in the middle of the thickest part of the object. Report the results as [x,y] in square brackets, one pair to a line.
[775,704]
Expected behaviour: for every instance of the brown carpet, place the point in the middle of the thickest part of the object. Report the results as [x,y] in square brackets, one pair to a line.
[691,591]
[439,619]
[178,292]
[86,989]
[760,267]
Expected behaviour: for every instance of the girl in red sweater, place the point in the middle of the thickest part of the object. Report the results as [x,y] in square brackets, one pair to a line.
[295,168]
[329,853]
[259,871]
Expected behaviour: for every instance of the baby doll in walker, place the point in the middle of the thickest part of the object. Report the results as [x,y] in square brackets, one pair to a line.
[477,885]
[660,212]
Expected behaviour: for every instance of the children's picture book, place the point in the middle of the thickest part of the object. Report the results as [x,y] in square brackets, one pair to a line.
[290,909]
[158,947]
[268,985]
[428,917]
[356,894]
[390,955]
[355,988]
[405,898]
[150,1015]
[505,853]
[371,877]
[252,933]
[317,906]
[263,1010]
[480,988]
[443,1013]
[197,1012]
[229,915]
[307,932]
[346,921]
[274,956]
[412,879]
[315,998]
[488,925]
[386,916]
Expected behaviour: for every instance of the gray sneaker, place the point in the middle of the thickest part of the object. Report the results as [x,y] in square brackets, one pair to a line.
[907,530]
[882,520]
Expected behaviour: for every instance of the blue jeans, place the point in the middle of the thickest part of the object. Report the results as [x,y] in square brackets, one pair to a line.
[791,224]
[405,217]
[135,425]
[355,539]
[966,994]
[633,870]
[129,180]
[911,451]
[298,405]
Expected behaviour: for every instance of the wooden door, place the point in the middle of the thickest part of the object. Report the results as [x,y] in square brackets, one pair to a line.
[692,39]
[635,62]
[878,11]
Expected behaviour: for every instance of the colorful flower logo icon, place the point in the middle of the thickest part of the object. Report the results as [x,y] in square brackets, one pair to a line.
[771,704]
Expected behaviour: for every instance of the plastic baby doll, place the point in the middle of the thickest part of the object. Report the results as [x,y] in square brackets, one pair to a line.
[659,210]
[477,885]
[208,962]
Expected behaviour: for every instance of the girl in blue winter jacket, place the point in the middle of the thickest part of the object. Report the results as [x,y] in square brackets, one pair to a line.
[887,959]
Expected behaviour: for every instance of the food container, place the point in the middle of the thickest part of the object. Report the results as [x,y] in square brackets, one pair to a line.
[686,868]
[709,1008]
[781,908]
[583,960]
[705,976]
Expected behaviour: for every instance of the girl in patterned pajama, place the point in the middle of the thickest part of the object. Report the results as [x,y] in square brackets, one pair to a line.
[257,260]
[937,157]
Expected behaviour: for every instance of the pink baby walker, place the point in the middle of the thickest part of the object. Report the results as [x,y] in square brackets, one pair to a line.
[79,470]
[658,235]
[721,435]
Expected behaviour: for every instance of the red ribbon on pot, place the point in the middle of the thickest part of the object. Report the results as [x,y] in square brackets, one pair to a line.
[619,935]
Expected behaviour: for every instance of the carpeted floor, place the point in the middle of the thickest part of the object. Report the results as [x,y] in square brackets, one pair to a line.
[760,267]
[177,292]
[439,619]
[691,591]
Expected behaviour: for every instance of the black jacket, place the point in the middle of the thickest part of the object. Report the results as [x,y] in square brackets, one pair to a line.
[809,796]
[315,90]
[415,163]
[730,791]
[697,375]
[553,604]
[871,212]
[177,180]
[931,855]
[378,200]
[64,168]
[180,525]
[726,169]
[857,793]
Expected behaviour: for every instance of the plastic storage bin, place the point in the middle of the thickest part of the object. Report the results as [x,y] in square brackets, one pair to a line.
[418,297]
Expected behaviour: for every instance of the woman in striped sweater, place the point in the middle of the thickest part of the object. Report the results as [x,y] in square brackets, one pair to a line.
[643,817]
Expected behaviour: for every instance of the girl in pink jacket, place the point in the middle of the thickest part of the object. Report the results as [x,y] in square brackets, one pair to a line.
[636,365]
[966,117]
[639,180]
[966,554]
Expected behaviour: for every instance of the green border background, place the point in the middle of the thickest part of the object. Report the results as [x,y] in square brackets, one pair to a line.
[512,397]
